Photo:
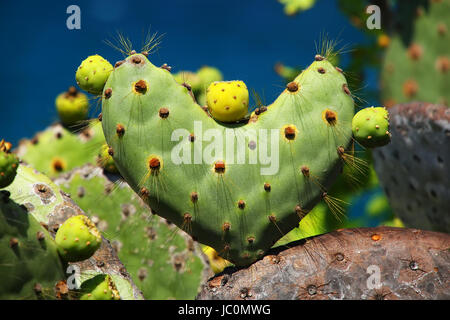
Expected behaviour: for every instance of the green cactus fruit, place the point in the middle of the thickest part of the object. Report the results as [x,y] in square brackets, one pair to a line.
[29,263]
[227,100]
[239,209]
[157,254]
[72,107]
[416,66]
[105,160]
[209,75]
[100,287]
[77,239]
[92,74]
[57,150]
[8,164]
[370,127]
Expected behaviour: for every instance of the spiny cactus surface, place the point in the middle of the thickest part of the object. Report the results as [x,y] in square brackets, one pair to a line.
[239,209]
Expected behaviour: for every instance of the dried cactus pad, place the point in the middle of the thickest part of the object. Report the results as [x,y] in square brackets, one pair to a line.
[239,201]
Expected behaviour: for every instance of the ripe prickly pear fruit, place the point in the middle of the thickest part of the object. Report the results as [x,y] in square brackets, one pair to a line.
[8,164]
[227,100]
[72,106]
[371,127]
[99,288]
[92,74]
[77,239]
[105,160]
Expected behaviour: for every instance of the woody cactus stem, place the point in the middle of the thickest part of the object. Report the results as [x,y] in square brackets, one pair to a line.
[369,263]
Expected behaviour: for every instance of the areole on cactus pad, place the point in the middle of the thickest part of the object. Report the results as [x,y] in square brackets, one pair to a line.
[237,187]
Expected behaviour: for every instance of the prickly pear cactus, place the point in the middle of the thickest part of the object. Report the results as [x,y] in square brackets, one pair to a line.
[50,207]
[91,75]
[29,262]
[417,67]
[414,169]
[240,209]
[164,262]
[58,150]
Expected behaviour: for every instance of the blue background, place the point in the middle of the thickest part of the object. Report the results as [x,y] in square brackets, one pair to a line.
[244,39]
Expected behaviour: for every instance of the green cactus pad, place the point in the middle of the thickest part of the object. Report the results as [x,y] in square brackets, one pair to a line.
[157,254]
[29,263]
[100,287]
[77,238]
[8,165]
[370,127]
[92,74]
[240,210]
[72,107]
[57,150]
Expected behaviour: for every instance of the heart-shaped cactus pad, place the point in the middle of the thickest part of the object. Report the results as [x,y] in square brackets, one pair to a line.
[237,187]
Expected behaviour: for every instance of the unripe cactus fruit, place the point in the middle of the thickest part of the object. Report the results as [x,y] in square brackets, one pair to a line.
[228,100]
[8,164]
[371,127]
[92,74]
[208,75]
[72,106]
[77,239]
[105,160]
[99,288]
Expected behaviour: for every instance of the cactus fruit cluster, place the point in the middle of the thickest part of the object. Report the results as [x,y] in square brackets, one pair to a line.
[417,62]
[158,255]
[72,107]
[239,209]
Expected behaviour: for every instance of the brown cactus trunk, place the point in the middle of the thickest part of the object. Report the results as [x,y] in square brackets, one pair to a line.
[367,263]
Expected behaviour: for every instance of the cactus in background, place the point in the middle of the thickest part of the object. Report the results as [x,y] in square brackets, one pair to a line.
[105,160]
[414,168]
[39,201]
[58,150]
[417,63]
[292,7]
[227,100]
[92,74]
[8,164]
[72,107]
[199,81]
[411,264]
[159,256]
[371,127]
[315,109]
